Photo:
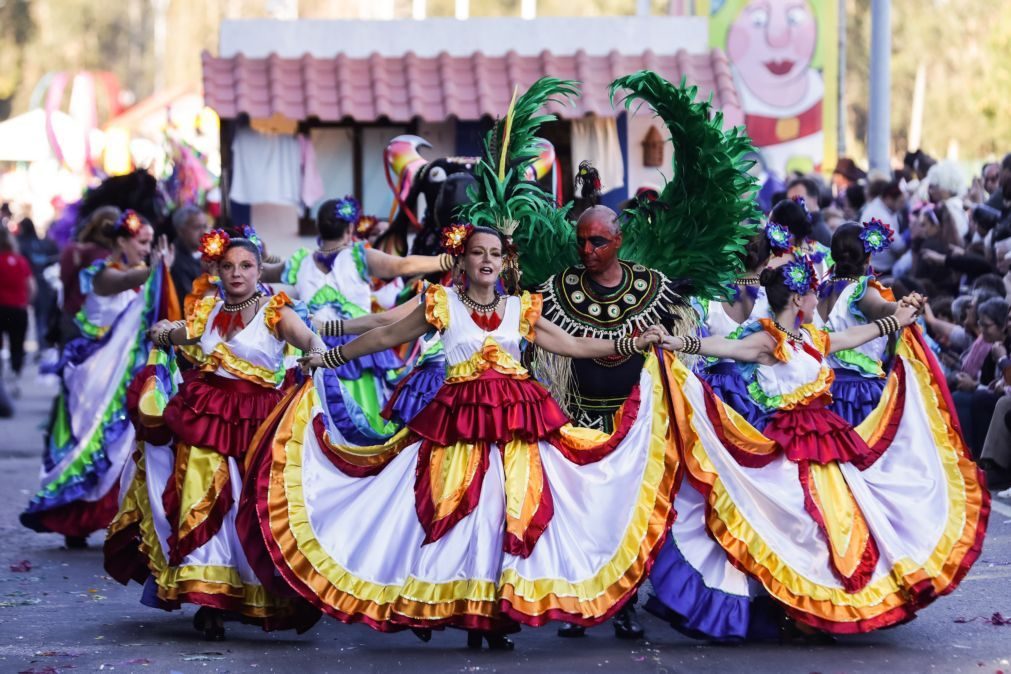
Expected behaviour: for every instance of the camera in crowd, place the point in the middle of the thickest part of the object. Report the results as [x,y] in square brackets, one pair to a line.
[985,217]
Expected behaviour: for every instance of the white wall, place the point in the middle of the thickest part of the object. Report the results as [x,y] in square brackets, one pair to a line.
[258,38]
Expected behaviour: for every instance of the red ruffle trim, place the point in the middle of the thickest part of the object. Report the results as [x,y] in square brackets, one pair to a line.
[219,413]
[814,433]
[80,518]
[425,509]
[491,408]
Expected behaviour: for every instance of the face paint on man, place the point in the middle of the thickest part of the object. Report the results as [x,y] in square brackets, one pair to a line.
[598,239]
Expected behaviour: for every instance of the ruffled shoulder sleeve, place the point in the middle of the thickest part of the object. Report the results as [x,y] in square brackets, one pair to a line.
[530,312]
[886,292]
[293,265]
[781,353]
[361,262]
[272,312]
[86,277]
[201,288]
[437,307]
[196,321]
[819,337]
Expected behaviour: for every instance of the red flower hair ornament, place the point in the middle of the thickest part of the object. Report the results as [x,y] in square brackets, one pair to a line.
[454,238]
[213,244]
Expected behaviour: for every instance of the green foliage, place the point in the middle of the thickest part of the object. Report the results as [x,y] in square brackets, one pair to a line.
[505,200]
[697,230]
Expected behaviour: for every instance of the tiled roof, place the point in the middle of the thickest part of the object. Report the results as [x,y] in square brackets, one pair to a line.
[437,87]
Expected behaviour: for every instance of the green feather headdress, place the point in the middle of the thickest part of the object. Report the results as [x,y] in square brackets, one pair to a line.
[706,213]
[504,199]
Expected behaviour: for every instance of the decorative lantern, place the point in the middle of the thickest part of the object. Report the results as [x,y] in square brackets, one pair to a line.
[652,148]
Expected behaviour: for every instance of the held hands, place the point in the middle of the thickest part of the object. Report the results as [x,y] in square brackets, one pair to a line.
[310,362]
[652,335]
[910,308]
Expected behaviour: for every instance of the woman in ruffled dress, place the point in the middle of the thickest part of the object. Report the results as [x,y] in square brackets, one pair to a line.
[793,238]
[335,282]
[488,510]
[748,303]
[90,438]
[175,531]
[852,296]
[847,529]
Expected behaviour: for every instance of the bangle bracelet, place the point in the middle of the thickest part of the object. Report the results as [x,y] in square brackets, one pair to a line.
[691,344]
[334,358]
[888,325]
[445,262]
[333,328]
[624,346]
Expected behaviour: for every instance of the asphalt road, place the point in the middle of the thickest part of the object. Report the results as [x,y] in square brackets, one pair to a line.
[64,614]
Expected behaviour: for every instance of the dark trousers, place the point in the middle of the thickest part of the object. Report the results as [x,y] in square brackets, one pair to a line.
[14,327]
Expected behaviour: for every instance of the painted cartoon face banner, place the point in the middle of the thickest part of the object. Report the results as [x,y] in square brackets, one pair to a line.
[785,59]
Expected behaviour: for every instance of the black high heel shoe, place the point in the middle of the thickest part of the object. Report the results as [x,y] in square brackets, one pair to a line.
[423,633]
[496,642]
[211,622]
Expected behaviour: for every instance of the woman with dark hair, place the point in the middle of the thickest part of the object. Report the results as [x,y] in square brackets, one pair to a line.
[852,296]
[791,216]
[848,529]
[978,370]
[489,509]
[89,439]
[175,531]
[748,303]
[334,281]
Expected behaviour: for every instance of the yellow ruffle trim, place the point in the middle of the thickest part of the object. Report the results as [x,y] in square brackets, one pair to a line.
[437,307]
[734,533]
[783,352]
[820,338]
[272,312]
[201,285]
[491,357]
[224,357]
[176,581]
[419,599]
[530,313]
[196,322]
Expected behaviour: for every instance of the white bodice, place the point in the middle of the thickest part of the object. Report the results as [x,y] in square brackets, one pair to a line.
[254,353]
[866,358]
[798,375]
[102,310]
[463,338]
[348,277]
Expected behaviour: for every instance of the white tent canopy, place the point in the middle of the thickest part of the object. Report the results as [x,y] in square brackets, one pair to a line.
[23,138]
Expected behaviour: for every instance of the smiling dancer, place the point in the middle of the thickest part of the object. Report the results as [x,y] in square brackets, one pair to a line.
[847,529]
[175,530]
[90,439]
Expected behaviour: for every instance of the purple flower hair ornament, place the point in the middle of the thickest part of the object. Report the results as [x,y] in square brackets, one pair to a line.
[803,204]
[348,209]
[799,276]
[876,236]
[249,233]
[778,236]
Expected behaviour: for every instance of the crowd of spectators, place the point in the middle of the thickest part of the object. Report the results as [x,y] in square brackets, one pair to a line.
[952,244]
